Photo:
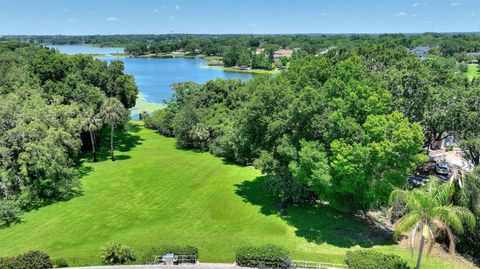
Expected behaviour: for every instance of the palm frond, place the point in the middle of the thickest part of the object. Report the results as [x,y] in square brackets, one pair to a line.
[442,193]
[406,223]
[449,217]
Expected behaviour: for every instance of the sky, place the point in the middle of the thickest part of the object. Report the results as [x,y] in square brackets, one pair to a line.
[86,17]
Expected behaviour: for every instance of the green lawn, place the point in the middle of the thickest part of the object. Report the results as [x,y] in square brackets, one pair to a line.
[472,71]
[157,194]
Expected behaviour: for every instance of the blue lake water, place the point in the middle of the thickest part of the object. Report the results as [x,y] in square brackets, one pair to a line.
[154,76]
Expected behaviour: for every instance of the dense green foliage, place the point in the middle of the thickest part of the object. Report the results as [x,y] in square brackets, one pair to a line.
[368,259]
[45,99]
[155,253]
[29,260]
[345,127]
[266,255]
[468,196]
[116,253]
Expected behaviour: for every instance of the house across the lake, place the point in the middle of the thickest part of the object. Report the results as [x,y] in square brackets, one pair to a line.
[282,53]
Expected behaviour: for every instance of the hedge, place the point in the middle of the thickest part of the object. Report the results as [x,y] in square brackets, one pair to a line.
[154,252]
[266,255]
[367,259]
[29,260]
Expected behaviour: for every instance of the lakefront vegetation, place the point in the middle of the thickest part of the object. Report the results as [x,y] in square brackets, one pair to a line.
[310,163]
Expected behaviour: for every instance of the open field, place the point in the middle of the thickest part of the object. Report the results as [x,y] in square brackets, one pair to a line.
[157,194]
[473,71]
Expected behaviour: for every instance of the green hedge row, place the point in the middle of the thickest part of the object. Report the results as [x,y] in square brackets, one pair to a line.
[29,260]
[154,252]
[367,259]
[266,255]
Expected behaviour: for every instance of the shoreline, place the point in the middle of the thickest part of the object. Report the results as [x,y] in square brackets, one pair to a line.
[234,70]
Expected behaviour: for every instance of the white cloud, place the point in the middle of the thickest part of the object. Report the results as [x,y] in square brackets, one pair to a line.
[455,4]
[177,7]
[156,10]
[73,20]
[171,17]
[323,14]
[112,19]
[66,10]
[401,14]
[414,15]
[417,4]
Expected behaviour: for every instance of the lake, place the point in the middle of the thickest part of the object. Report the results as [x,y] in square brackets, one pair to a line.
[155,75]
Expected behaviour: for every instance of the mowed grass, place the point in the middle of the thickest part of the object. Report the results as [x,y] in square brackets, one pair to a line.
[156,194]
[472,71]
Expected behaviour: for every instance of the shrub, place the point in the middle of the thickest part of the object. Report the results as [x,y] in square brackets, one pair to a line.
[267,255]
[160,120]
[59,262]
[367,259]
[9,213]
[29,260]
[116,253]
[7,262]
[154,252]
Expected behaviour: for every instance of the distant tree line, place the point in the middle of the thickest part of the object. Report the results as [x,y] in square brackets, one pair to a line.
[443,44]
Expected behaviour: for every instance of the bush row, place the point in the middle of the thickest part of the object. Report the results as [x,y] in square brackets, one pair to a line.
[268,255]
[367,259]
[29,260]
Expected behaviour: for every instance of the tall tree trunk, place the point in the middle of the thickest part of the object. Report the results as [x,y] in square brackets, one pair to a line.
[94,153]
[420,251]
[111,143]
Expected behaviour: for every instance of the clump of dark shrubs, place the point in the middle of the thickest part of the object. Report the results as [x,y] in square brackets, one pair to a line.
[29,260]
[368,259]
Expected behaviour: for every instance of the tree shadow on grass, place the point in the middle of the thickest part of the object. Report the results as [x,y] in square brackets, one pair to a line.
[317,223]
[123,141]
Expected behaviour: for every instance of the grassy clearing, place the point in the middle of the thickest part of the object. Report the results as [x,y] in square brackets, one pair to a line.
[472,71]
[158,194]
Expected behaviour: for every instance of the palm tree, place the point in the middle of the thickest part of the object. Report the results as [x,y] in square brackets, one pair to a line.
[429,211]
[113,113]
[92,123]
